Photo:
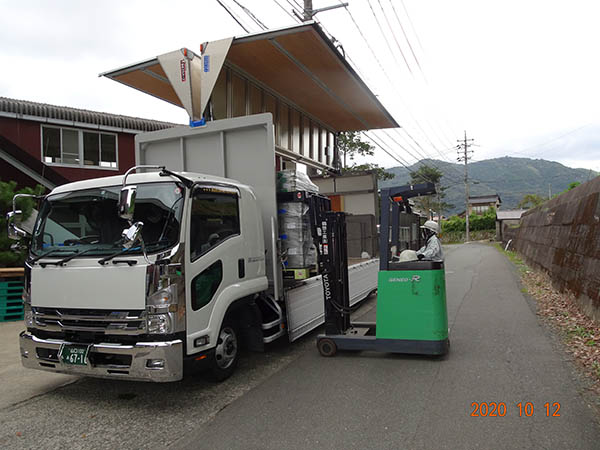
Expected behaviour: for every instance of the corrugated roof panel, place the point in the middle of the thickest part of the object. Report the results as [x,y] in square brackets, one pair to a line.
[42,110]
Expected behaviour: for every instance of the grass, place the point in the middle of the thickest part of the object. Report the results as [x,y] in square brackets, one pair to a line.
[513,257]
[596,367]
[582,332]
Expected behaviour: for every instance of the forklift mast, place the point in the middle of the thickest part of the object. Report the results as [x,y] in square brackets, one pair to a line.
[394,200]
[329,235]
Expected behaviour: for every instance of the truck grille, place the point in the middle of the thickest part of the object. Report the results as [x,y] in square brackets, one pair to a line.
[86,320]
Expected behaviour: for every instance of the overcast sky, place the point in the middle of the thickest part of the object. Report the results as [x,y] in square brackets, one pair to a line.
[521,77]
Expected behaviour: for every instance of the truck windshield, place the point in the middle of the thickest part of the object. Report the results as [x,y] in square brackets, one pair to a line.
[87,220]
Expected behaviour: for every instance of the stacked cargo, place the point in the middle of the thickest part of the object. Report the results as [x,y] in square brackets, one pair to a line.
[298,250]
[291,181]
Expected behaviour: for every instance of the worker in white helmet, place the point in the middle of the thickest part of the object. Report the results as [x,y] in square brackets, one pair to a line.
[432,248]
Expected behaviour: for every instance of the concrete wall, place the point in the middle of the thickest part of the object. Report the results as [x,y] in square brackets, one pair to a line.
[359,204]
[562,237]
[358,191]
[361,231]
[503,225]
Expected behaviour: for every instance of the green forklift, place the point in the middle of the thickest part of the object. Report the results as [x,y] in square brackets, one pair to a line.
[411,295]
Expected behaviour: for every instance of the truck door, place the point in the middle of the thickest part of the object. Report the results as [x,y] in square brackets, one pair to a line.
[215,247]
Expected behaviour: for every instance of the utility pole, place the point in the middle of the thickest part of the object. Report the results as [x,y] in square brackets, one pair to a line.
[307,15]
[309,12]
[439,199]
[464,146]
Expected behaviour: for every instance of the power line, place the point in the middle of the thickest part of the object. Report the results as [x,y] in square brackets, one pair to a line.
[233,16]
[395,157]
[285,10]
[366,41]
[409,21]
[386,39]
[401,52]
[405,37]
[424,157]
[550,141]
[251,15]
[415,58]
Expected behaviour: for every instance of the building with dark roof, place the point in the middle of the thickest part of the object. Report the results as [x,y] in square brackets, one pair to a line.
[52,145]
[481,203]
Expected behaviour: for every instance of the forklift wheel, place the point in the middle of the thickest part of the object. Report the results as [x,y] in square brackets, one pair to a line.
[326,347]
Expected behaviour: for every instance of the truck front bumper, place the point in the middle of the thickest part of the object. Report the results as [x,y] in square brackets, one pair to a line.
[143,361]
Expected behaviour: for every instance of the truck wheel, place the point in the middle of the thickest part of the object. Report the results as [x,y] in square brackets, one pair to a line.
[326,347]
[226,353]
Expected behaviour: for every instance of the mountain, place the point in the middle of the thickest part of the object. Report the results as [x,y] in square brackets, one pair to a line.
[511,178]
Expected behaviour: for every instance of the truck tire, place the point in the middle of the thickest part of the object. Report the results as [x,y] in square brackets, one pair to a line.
[226,354]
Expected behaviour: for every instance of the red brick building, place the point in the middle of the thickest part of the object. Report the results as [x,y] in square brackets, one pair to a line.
[52,145]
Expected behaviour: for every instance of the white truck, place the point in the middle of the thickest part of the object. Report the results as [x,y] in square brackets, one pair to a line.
[130,276]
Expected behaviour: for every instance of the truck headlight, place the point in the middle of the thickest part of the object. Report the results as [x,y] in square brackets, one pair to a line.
[162,301]
[159,324]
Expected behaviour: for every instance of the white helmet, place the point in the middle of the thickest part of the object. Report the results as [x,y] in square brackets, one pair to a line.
[431,225]
[408,255]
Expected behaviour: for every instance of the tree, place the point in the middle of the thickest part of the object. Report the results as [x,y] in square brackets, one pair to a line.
[350,146]
[572,185]
[8,257]
[426,174]
[380,172]
[531,201]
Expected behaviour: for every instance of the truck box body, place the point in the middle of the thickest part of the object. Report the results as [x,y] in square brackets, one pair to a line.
[240,149]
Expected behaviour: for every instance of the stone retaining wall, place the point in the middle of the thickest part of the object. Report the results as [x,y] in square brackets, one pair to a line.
[562,237]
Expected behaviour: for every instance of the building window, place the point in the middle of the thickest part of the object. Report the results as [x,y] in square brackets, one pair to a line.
[67,146]
[480,209]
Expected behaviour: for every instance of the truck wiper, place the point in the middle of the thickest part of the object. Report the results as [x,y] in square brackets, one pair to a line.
[50,252]
[70,257]
[114,255]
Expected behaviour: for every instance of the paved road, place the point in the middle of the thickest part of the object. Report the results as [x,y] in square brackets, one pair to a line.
[499,353]
[291,397]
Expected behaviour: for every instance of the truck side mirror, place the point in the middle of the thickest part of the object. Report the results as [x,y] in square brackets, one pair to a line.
[127,202]
[14,231]
[132,234]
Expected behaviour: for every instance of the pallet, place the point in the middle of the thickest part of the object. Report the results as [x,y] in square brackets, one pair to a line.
[299,274]
[11,317]
[11,304]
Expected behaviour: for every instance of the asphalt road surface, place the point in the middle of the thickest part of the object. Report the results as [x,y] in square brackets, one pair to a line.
[292,398]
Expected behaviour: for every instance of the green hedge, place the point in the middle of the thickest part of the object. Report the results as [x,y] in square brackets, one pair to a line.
[456,237]
[477,222]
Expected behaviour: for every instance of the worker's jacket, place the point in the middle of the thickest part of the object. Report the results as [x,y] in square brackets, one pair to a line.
[432,250]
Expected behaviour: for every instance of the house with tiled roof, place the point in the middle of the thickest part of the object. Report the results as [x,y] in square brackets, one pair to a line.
[52,145]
